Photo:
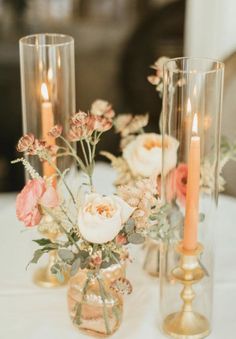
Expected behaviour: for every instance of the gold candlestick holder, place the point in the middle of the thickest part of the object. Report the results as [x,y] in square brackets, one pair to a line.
[43,277]
[187,323]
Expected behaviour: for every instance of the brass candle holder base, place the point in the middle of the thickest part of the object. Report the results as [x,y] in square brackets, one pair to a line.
[43,277]
[187,324]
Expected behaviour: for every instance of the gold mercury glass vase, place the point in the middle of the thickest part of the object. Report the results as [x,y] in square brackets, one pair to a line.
[94,307]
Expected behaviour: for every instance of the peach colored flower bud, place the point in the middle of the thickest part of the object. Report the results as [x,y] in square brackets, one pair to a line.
[153,79]
[79,119]
[102,124]
[75,133]
[55,131]
[96,260]
[121,239]
[25,144]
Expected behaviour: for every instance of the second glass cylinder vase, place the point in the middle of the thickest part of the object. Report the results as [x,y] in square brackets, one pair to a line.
[191,123]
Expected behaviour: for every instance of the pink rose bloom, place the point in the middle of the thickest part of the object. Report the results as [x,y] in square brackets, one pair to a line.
[181,177]
[176,184]
[28,201]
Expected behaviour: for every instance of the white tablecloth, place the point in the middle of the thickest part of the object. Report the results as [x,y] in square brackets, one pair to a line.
[30,312]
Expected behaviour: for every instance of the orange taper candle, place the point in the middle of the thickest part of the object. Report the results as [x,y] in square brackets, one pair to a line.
[47,123]
[192,198]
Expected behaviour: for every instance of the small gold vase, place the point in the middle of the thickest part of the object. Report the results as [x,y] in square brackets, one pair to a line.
[43,276]
[94,307]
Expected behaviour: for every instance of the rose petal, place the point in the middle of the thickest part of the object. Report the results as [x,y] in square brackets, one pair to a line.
[50,198]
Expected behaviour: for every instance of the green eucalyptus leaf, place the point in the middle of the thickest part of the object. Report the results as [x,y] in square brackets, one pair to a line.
[65,254]
[85,263]
[129,226]
[50,247]
[106,264]
[54,269]
[136,238]
[83,255]
[37,256]
[43,241]
[75,266]
[60,276]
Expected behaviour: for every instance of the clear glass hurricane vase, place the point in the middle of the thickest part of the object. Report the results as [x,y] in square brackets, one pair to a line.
[191,129]
[47,89]
[48,98]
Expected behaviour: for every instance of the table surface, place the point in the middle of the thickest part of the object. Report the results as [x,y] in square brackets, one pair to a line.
[31,312]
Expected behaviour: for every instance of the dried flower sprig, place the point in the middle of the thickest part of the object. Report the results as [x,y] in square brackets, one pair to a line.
[157,78]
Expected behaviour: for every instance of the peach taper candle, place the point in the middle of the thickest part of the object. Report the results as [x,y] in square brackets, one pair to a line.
[47,123]
[192,198]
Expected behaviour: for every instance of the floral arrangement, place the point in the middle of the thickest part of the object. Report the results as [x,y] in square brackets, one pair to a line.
[140,159]
[95,229]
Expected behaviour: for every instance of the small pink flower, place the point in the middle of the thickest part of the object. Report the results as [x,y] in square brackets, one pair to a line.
[157,78]
[55,131]
[103,124]
[121,239]
[96,259]
[28,201]
[82,126]
[102,108]
[79,119]
[153,79]
[75,133]
[181,177]
[26,143]
[176,184]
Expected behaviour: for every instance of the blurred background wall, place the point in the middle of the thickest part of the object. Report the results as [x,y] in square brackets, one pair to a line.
[115,42]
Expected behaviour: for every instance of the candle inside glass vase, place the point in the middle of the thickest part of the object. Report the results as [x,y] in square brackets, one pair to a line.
[192,197]
[47,121]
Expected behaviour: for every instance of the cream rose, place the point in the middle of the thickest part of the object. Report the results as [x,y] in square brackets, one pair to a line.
[99,107]
[101,217]
[144,154]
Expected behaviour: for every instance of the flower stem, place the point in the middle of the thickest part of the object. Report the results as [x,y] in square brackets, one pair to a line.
[79,305]
[62,228]
[105,313]
[51,163]
[90,153]
[84,152]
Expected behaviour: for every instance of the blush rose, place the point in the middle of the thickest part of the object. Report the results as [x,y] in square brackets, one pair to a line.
[28,201]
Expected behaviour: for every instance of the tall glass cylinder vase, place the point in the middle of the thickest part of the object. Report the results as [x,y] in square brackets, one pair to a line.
[47,89]
[191,128]
[48,98]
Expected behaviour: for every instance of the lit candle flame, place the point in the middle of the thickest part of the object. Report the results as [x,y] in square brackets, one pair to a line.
[44,91]
[195,124]
[189,107]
